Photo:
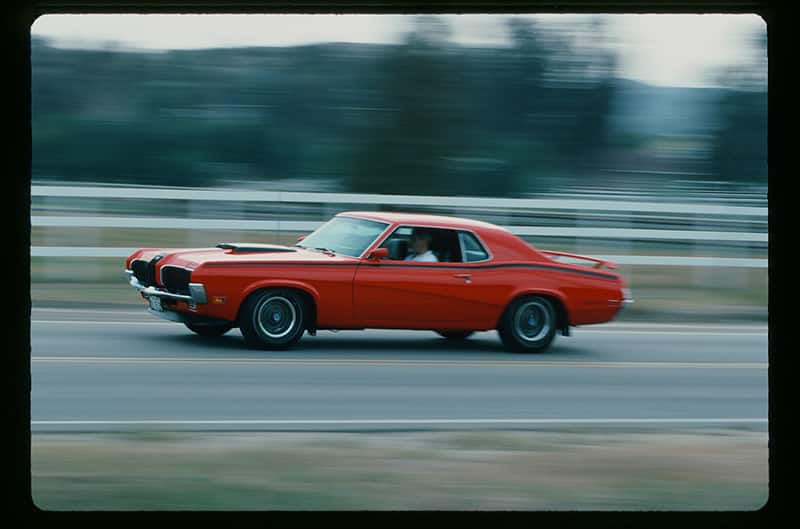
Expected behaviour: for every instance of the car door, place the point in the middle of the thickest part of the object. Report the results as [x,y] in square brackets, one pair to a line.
[395,293]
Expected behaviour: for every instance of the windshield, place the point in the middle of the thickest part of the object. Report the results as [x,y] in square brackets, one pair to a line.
[345,235]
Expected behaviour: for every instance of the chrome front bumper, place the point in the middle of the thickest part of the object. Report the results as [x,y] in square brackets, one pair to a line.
[626,302]
[197,292]
[627,297]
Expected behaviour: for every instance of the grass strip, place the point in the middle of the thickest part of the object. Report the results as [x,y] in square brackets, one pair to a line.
[713,469]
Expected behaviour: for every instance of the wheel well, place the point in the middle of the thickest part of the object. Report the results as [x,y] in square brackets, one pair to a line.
[308,303]
[562,318]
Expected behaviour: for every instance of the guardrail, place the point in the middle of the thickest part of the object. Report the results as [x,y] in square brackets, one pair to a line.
[397,200]
[755,216]
[295,226]
[660,260]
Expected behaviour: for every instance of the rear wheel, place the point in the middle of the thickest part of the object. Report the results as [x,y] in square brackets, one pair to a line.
[528,325]
[272,319]
[209,330]
[455,335]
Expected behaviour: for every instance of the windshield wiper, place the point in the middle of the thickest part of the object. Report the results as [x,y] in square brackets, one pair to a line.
[320,248]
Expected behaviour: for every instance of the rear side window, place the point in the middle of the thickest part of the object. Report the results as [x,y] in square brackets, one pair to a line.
[471,248]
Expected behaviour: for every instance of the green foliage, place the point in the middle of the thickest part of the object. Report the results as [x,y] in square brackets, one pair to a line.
[421,117]
[740,147]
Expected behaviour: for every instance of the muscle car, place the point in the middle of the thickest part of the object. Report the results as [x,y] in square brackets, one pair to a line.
[353,273]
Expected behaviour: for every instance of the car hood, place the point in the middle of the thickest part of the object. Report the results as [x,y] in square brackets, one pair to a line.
[192,258]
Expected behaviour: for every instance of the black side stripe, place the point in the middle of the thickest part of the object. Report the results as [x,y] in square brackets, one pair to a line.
[487,267]
[439,267]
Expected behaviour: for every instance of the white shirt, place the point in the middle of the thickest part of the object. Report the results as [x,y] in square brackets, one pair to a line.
[428,256]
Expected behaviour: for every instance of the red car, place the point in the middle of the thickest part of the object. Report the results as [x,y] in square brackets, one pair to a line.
[380,270]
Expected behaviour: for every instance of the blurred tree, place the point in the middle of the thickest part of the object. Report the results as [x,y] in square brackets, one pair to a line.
[558,98]
[410,132]
[740,143]
[422,117]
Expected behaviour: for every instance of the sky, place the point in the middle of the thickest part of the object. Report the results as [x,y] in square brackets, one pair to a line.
[661,49]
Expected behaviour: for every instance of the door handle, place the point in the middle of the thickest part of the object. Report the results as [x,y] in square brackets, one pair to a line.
[465,277]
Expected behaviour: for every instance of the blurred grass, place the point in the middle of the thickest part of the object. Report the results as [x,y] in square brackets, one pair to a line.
[514,470]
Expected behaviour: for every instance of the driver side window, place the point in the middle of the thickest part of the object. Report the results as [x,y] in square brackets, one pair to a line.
[444,243]
[398,243]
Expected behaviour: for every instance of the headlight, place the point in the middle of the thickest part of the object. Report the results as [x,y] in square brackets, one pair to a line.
[198,293]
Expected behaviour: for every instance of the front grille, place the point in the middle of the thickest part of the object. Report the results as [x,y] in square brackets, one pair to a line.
[151,268]
[145,271]
[142,272]
[175,279]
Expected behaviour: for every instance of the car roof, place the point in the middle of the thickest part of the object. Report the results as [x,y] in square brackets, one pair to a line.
[502,243]
[423,219]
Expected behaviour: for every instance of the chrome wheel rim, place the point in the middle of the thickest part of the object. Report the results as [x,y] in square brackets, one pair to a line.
[275,317]
[532,321]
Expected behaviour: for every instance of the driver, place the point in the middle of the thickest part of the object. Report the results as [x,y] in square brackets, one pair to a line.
[421,247]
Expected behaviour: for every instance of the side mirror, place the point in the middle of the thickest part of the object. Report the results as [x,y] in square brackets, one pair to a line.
[300,239]
[378,253]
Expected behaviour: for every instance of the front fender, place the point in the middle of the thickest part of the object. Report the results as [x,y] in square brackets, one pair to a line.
[281,283]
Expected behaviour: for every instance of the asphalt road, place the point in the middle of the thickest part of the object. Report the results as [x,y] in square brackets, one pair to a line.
[112,371]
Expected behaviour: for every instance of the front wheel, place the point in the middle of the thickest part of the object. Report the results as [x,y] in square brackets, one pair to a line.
[209,330]
[272,319]
[528,325]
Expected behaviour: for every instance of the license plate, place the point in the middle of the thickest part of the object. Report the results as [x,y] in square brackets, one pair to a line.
[155,304]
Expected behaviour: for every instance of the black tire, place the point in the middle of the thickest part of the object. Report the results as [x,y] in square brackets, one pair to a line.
[455,335]
[209,330]
[528,325]
[272,319]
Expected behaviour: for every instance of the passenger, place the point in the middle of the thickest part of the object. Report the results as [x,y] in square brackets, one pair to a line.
[421,247]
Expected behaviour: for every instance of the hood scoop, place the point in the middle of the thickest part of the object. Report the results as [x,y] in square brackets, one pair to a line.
[246,247]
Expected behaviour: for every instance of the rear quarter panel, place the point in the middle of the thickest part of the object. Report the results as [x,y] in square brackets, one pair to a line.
[522,270]
[587,297]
